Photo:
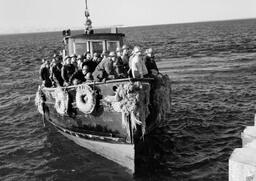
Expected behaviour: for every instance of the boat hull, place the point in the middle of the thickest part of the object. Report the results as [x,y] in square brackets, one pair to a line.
[103,131]
[124,111]
[123,154]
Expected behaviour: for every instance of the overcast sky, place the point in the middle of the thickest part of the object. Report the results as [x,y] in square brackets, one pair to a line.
[45,15]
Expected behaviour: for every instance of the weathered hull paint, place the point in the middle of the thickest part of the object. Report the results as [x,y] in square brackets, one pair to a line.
[102,132]
[123,154]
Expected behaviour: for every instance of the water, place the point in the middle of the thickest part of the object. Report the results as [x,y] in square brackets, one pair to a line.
[213,68]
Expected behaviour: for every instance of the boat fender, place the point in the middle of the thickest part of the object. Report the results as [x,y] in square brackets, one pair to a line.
[39,101]
[61,101]
[85,99]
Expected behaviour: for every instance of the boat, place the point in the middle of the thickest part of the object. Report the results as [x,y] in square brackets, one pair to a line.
[108,118]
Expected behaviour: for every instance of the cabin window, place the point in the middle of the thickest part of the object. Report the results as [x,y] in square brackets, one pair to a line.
[112,45]
[97,47]
[80,48]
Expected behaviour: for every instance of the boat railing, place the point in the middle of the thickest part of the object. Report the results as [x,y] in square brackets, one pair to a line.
[107,82]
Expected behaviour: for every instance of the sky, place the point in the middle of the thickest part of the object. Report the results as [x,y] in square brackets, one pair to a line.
[19,16]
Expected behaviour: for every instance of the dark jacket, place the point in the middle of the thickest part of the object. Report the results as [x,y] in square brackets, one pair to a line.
[91,64]
[67,71]
[45,76]
[80,77]
[119,68]
[56,74]
[125,60]
[150,64]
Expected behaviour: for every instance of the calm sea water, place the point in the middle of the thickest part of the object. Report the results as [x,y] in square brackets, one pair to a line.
[213,69]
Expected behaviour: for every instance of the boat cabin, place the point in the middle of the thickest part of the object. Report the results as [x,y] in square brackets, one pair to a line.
[93,43]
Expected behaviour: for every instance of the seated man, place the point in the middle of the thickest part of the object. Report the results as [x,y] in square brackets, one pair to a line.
[87,57]
[67,71]
[45,73]
[96,58]
[150,63]
[81,76]
[92,62]
[105,69]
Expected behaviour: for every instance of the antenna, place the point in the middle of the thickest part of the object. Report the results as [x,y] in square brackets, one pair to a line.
[86,13]
[86,7]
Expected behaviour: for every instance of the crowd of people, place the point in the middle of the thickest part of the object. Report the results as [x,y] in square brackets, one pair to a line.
[74,70]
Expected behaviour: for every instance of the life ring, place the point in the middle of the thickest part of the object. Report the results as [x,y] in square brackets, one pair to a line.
[61,101]
[85,99]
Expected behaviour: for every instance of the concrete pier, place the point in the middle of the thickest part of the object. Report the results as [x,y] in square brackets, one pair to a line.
[248,135]
[242,162]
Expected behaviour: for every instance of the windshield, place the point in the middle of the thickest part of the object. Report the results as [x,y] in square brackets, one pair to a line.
[81,48]
[112,45]
[97,47]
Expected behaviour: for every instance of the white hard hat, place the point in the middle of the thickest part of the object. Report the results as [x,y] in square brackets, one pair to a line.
[150,50]
[112,54]
[124,47]
[118,49]
[136,49]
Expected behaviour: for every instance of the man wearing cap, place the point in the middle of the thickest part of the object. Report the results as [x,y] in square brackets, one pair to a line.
[105,69]
[88,57]
[74,61]
[67,71]
[104,54]
[45,73]
[125,57]
[92,62]
[81,76]
[150,63]
[137,65]
[56,72]
[73,58]
[119,65]
[79,62]
[96,58]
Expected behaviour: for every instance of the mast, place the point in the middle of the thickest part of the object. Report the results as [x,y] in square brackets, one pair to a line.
[86,13]
[86,7]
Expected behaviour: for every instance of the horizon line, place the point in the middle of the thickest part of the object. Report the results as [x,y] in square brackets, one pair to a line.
[124,26]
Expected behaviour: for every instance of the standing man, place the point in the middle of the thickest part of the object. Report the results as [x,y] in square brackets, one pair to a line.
[125,58]
[67,71]
[56,72]
[150,63]
[137,65]
[45,73]
[119,64]
[92,62]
